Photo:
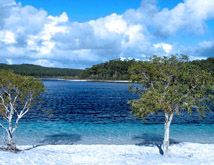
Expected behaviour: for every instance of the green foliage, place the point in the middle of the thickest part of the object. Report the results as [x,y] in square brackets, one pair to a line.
[207,64]
[171,84]
[112,70]
[18,90]
[119,70]
[39,71]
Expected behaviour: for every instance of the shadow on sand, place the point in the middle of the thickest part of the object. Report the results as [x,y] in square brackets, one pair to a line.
[57,139]
[63,138]
[152,140]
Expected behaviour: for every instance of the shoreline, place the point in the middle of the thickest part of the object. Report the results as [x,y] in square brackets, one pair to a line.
[87,80]
[179,154]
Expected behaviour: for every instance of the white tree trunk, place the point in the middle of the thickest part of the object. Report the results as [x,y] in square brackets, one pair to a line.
[9,138]
[12,115]
[10,142]
[168,120]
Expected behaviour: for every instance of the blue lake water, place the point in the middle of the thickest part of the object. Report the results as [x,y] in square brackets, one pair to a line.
[98,113]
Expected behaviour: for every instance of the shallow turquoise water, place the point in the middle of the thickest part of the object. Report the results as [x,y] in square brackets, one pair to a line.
[120,133]
[98,113]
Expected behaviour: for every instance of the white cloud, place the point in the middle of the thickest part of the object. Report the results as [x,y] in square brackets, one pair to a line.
[112,24]
[43,62]
[42,42]
[164,46]
[5,3]
[9,61]
[31,35]
[189,15]
[7,37]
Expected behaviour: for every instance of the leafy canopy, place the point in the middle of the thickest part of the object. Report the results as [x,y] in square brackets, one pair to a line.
[171,84]
[112,70]
[18,91]
[40,71]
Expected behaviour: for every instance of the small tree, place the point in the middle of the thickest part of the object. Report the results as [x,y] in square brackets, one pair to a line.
[170,85]
[17,95]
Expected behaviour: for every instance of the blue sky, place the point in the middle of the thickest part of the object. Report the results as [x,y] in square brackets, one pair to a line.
[84,10]
[78,34]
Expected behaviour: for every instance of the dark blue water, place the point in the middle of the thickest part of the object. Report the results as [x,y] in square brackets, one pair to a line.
[99,113]
[85,102]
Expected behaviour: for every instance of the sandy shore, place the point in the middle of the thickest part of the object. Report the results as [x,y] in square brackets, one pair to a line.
[88,80]
[180,154]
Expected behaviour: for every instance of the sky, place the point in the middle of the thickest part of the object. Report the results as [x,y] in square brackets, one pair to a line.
[79,34]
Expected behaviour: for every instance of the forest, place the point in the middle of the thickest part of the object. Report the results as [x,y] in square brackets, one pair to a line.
[40,71]
[119,69]
[112,70]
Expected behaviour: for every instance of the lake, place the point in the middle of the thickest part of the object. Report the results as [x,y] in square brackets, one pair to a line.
[99,113]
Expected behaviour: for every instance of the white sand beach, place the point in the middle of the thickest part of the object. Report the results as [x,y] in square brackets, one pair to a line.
[87,80]
[180,154]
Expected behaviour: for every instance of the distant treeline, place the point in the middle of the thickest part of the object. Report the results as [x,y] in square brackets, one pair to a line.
[111,70]
[40,71]
[207,64]
[119,69]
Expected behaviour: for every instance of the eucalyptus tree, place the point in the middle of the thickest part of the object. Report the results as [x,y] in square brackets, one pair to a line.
[17,95]
[171,85]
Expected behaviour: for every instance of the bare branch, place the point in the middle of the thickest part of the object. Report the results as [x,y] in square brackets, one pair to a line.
[26,107]
[170,118]
[17,123]
[3,126]
[22,113]
[14,101]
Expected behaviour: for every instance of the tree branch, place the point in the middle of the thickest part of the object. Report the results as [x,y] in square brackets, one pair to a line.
[3,103]
[3,126]
[17,123]
[22,113]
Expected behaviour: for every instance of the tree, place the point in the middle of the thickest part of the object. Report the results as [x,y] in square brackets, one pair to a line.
[112,70]
[171,85]
[40,71]
[17,95]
